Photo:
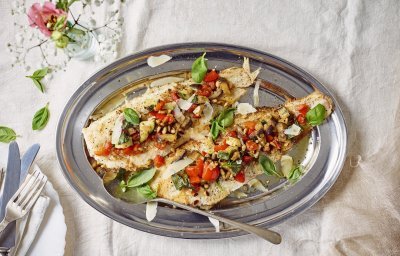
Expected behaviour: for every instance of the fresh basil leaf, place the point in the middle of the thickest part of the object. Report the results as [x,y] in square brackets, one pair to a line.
[232,166]
[223,155]
[123,185]
[295,174]
[147,192]
[195,99]
[268,166]
[141,178]
[41,118]
[180,181]
[37,76]
[199,69]
[40,73]
[7,134]
[215,129]
[183,96]
[38,84]
[225,119]
[131,116]
[316,115]
[124,138]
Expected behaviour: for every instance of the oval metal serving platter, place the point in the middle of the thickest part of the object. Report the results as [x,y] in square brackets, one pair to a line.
[323,162]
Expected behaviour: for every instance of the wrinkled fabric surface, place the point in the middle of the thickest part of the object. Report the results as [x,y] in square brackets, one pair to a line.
[352,46]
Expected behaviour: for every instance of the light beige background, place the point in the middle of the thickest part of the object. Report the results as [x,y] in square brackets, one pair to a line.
[352,46]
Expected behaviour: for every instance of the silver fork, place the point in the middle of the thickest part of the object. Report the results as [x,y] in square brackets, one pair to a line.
[22,201]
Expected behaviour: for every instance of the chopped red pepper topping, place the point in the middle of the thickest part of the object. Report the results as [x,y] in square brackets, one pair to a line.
[105,150]
[211,76]
[251,145]
[221,146]
[240,177]
[159,161]
[303,109]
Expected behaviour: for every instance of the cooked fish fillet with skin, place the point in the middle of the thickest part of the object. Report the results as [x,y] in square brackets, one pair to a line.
[218,191]
[99,132]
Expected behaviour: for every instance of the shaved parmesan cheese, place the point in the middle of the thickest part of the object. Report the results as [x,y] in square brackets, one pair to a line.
[178,114]
[151,210]
[293,130]
[154,61]
[208,113]
[245,108]
[166,80]
[185,104]
[117,130]
[215,223]
[255,183]
[176,167]
[286,165]
[256,97]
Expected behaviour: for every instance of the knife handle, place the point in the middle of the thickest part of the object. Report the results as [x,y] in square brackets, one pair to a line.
[4,251]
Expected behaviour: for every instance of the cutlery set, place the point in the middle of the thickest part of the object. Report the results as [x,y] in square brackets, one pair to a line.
[21,189]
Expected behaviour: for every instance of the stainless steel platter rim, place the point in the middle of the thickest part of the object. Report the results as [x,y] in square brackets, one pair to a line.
[302,205]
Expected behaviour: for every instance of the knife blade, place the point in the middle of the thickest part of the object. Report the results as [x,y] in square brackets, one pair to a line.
[11,185]
[26,162]
[11,181]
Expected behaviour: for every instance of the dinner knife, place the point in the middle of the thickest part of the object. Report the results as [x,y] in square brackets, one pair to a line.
[11,184]
[26,162]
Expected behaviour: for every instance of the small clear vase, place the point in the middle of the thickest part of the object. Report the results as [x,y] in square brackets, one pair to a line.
[82,45]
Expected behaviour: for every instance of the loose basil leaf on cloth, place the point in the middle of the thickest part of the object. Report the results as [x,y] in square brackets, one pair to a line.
[131,116]
[199,69]
[147,192]
[268,166]
[7,134]
[41,118]
[37,76]
[316,115]
[295,174]
[141,178]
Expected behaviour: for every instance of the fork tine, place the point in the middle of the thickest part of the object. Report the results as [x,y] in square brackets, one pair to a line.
[23,191]
[22,188]
[31,191]
[36,195]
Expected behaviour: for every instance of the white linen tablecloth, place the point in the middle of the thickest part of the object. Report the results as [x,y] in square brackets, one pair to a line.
[352,46]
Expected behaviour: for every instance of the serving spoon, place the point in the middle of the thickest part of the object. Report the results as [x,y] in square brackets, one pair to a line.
[135,198]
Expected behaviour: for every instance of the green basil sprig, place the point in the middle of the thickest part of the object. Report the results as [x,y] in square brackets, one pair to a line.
[268,166]
[225,119]
[147,192]
[199,69]
[295,174]
[131,116]
[7,134]
[180,181]
[37,77]
[232,166]
[138,179]
[41,118]
[316,115]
